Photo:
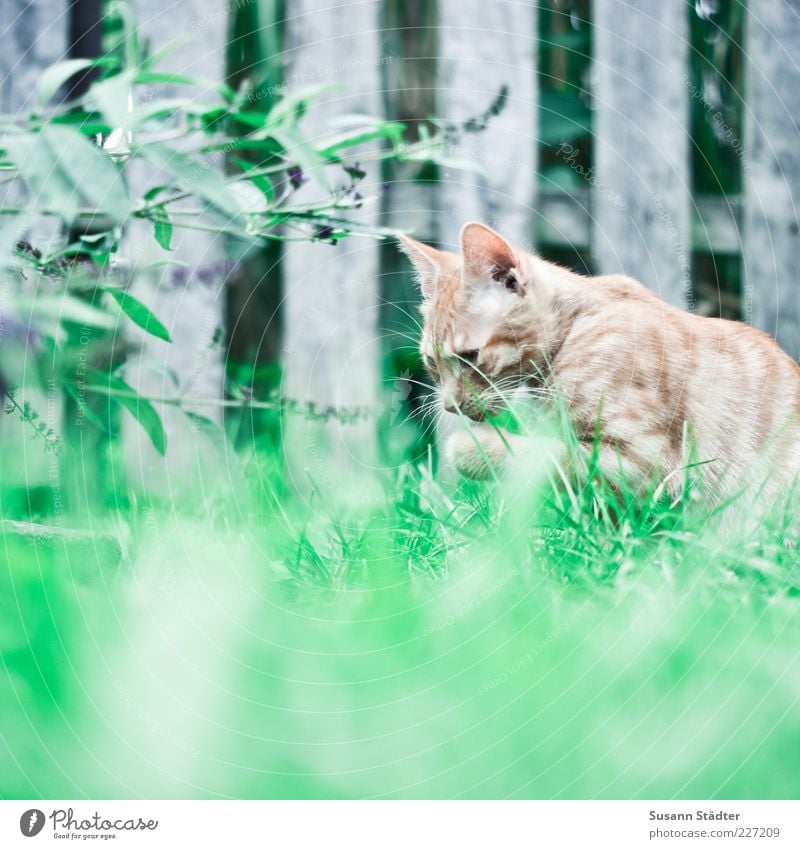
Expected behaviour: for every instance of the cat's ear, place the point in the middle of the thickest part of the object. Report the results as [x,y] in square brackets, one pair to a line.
[487,255]
[428,262]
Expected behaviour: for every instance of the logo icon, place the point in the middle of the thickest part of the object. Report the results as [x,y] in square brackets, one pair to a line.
[31,822]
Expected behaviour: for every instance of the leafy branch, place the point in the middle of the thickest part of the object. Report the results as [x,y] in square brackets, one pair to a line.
[218,163]
[278,182]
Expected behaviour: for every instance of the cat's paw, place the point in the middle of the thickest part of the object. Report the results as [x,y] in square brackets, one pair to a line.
[479,453]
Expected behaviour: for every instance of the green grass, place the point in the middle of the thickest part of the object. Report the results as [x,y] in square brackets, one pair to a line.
[392,635]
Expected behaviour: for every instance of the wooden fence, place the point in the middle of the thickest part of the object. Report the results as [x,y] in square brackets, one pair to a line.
[636,214]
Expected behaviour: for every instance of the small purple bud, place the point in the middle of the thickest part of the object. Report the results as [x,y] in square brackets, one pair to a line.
[325,233]
[296,176]
[179,276]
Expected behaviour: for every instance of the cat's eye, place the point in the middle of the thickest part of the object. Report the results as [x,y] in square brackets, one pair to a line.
[470,357]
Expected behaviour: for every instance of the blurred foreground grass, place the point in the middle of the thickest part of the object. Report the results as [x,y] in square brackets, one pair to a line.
[431,641]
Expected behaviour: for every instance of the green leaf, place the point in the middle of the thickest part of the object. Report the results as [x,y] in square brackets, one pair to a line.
[50,186]
[139,314]
[199,178]
[155,58]
[84,409]
[163,232]
[362,134]
[162,263]
[293,104]
[56,75]
[207,427]
[261,182]
[91,171]
[58,308]
[89,123]
[157,77]
[300,151]
[156,110]
[112,98]
[256,120]
[140,408]
[65,171]
[150,194]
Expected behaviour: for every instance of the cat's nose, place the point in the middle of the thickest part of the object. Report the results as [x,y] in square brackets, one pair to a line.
[450,407]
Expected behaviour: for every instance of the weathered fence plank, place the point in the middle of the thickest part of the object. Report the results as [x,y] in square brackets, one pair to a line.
[566,221]
[486,49]
[33,36]
[331,350]
[772,172]
[190,300]
[642,221]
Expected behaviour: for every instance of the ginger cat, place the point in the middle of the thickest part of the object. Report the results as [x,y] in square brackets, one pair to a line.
[645,372]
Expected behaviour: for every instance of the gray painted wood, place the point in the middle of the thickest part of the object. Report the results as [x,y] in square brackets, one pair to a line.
[482,47]
[331,351]
[772,172]
[641,144]
[33,35]
[190,302]
[566,221]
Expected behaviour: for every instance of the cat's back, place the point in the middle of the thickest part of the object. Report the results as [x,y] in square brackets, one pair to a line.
[717,347]
[653,366]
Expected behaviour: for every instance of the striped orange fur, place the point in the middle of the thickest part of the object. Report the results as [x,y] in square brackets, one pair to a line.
[497,318]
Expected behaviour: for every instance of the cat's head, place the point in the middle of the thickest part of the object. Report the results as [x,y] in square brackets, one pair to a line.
[476,340]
